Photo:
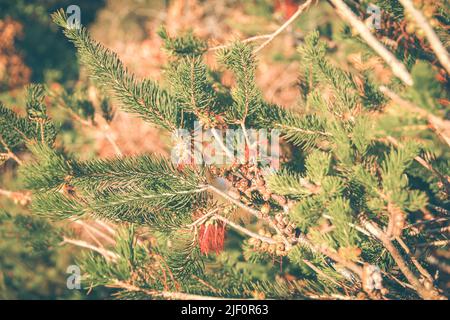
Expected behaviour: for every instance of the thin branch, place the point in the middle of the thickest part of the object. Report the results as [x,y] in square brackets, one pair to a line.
[423,24]
[95,231]
[111,139]
[419,267]
[11,154]
[252,211]
[356,227]
[272,36]
[422,162]
[424,292]
[106,226]
[244,230]
[162,294]
[439,126]
[109,255]
[358,270]
[397,67]
[320,272]
[435,220]
[437,243]
[251,39]
[202,218]
[106,129]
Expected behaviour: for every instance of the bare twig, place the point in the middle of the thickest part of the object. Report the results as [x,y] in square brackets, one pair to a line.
[424,292]
[272,36]
[438,125]
[358,270]
[251,39]
[437,243]
[11,154]
[162,294]
[203,218]
[109,255]
[435,220]
[356,227]
[244,230]
[419,267]
[105,226]
[435,43]
[320,272]
[444,178]
[252,211]
[397,67]
[105,129]
[95,231]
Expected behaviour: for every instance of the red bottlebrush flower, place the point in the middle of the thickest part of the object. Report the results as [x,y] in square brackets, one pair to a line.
[211,237]
[287,7]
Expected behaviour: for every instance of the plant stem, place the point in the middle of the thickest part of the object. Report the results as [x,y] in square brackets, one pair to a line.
[272,36]
[397,67]
[435,43]
[424,292]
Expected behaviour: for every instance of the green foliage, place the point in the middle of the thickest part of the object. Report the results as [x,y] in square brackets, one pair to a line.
[426,90]
[144,98]
[190,84]
[241,60]
[186,45]
[16,131]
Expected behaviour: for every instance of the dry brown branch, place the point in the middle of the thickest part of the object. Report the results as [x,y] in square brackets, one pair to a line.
[95,231]
[422,290]
[419,267]
[358,270]
[397,67]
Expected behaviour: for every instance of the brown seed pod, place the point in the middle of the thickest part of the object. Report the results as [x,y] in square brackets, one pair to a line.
[281,225]
[281,200]
[266,196]
[289,230]
[272,248]
[214,170]
[260,182]
[234,193]
[265,209]
[243,184]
